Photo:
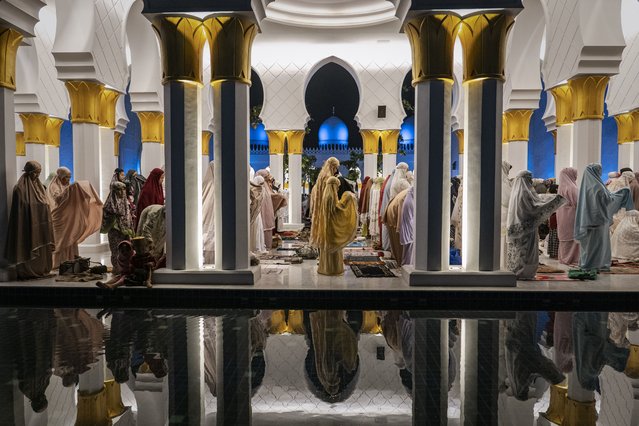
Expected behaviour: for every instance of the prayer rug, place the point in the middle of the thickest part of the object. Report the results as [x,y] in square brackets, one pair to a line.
[372,271]
[623,268]
[548,269]
[363,260]
[552,277]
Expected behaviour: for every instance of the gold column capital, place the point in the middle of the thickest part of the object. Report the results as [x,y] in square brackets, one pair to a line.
[295,140]
[10,40]
[276,139]
[152,126]
[85,100]
[563,104]
[432,40]
[389,140]
[370,140]
[230,40]
[579,413]
[504,128]
[21,148]
[588,96]
[116,143]
[460,140]
[92,409]
[53,126]
[108,99]
[115,407]
[518,124]
[625,127]
[35,127]
[182,40]
[206,138]
[635,124]
[483,37]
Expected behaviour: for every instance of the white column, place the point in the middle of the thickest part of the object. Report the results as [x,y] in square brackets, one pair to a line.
[389,161]
[295,188]
[563,158]
[635,155]
[370,165]
[586,144]
[152,157]
[38,152]
[626,155]
[53,157]
[276,163]
[460,149]
[8,170]
[205,164]
[108,160]
[504,151]
[87,158]
[152,398]
[518,155]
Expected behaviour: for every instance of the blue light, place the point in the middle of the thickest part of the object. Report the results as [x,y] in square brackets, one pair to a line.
[258,135]
[333,131]
[407,130]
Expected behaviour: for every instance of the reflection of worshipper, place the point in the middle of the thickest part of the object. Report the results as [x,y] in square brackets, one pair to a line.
[595,208]
[257,194]
[625,238]
[208,214]
[407,227]
[329,169]
[392,217]
[152,226]
[134,183]
[58,185]
[117,348]
[526,211]
[338,227]
[116,220]
[568,247]
[562,341]
[30,239]
[152,191]
[77,215]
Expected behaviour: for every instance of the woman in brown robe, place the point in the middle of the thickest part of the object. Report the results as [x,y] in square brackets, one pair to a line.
[59,185]
[30,241]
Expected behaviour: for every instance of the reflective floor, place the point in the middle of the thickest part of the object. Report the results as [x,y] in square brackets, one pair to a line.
[325,367]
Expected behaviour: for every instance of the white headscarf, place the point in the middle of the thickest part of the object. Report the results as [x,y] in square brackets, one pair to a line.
[625,239]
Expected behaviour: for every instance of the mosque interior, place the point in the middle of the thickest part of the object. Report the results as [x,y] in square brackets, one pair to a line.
[324,212]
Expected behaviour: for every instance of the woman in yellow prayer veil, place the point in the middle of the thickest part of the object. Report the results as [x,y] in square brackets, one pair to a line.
[329,169]
[337,227]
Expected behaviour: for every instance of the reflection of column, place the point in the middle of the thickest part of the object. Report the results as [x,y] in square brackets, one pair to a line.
[516,136]
[432,39]
[389,150]
[587,113]
[21,154]
[152,129]
[35,140]
[564,141]
[92,397]
[276,139]
[460,148]
[108,99]
[206,138]
[85,108]
[295,148]
[233,369]
[370,143]
[53,127]
[151,396]
[625,139]
[483,37]
[632,371]
[230,40]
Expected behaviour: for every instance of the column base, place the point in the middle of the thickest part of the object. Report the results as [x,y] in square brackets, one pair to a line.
[458,278]
[8,274]
[208,276]
[293,226]
[94,248]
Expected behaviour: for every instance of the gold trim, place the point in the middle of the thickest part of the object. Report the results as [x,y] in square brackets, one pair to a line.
[432,40]
[557,405]
[53,126]
[389,140]
[563,104]
[21,148]
[206,138]
[588,96]
[370,141]
[518,124]
[483,37]
[460,140]
[625,127]
[152,126]
[92,409]
[181,42]
[85,101]
[116,143]
[230,40]
[10,40]
[115,407]
[35,127]
[370,323]
[632,365]
[295,139]
[579,413]
[276,140]
[108,99]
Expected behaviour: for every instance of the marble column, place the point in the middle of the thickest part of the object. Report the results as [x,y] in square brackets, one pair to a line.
[108,100]
[151,395]
[564,127]
[389,150]
[206,138]
[460,149]
[21,154]
[233,361]
[516,136]
[87,154]
[10,40]
[370,143]
[295,140]
[152,129]
[230,39]
[35,140]
[625,140]
[483,37]
[432,39]
[53,127]
[276,149]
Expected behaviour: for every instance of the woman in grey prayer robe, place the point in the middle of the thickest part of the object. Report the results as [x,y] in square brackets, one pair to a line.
[595,208]
[526,210]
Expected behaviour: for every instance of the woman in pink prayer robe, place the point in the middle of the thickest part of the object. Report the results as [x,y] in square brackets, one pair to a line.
[568,247]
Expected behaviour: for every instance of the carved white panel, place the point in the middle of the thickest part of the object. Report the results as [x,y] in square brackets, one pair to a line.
[623,91]
[108,48]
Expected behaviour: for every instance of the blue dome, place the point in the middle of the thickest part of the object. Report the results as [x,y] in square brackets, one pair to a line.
[407,131]
[258,135]
[333,131]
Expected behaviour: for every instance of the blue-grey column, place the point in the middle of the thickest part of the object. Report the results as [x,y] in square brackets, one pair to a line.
[231,106]
[233,362]
[183,180]
[430,372]
[7,171]
[479,372]
[432,174]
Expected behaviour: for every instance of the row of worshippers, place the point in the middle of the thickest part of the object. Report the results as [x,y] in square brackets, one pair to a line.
[268,208]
